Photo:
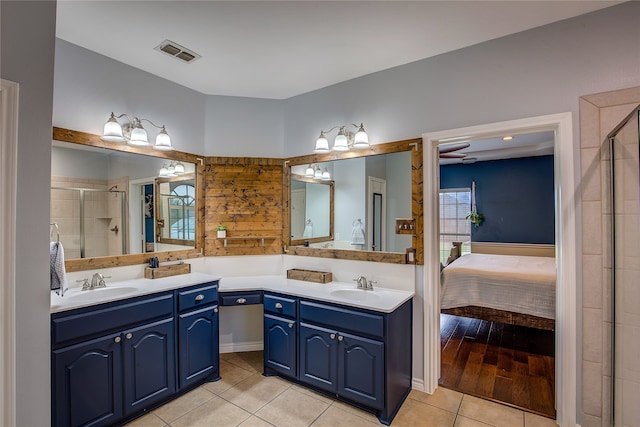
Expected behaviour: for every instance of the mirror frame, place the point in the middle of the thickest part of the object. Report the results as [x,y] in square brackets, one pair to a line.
[417,197]
[332,186]
[83,138]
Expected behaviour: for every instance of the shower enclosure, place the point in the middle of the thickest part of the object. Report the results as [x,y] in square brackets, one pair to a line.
[624,145]
[92,222]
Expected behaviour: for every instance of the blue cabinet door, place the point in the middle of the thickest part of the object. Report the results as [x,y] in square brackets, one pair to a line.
[318,357]
[149,367]
[87,383]
[361,370]
[280,345]
[198,345]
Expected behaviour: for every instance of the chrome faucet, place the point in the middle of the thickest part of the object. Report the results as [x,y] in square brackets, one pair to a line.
[363,283]
[97,281]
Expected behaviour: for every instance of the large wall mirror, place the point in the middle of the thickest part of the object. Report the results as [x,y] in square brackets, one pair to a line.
[372,190]
[112,208]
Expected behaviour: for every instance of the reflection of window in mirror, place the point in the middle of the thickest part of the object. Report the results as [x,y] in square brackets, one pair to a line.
[176,211]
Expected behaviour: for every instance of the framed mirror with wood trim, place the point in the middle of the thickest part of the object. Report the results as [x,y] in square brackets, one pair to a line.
[105,200]
[375,189]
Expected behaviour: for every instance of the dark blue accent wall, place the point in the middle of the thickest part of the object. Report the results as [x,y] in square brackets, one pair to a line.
[515,196]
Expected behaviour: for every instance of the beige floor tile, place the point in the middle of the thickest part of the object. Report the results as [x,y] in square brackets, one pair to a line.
[292,409]
[231,375]
[468,422]
[414,413]
[148,420]
[335,416]
[355,411]
[443,398]
[312,393]
[244,364]
[533,420]
[185,403]
[491,412]
[216,412]
[254,421]
[255,392]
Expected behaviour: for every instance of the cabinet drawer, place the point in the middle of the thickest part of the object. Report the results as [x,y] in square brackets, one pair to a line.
[280,305]
[95,321]
[198,296]
[241,298]
[342,319]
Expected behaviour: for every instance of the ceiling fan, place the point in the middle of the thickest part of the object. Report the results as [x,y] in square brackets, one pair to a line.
[448,151]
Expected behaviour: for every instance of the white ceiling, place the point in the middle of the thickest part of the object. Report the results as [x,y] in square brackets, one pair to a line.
[279,49]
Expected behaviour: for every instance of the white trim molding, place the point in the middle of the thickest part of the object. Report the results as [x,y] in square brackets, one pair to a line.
[238,347]
[566,257]
[8,188]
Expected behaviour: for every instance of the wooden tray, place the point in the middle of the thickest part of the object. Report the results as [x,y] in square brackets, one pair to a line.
[167,271]
[309,275]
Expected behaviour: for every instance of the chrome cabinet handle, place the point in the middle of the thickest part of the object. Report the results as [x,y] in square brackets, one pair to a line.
[241,300]
[290,325]
[200,297]
[215,310]
[332,336]
[117,339]
[129,336]
[278,305]
[340,337]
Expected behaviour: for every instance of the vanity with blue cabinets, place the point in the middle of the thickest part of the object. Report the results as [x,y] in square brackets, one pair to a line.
[114,360]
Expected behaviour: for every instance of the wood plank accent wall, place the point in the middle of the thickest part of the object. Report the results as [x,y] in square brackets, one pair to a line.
[244,194]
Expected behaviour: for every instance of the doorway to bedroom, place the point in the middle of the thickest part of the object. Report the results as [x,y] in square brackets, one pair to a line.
[512,352]
[496,216]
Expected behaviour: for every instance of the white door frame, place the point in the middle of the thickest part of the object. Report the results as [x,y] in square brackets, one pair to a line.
[8,191]
[566,259]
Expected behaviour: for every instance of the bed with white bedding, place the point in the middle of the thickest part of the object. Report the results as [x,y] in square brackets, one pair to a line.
[510,289]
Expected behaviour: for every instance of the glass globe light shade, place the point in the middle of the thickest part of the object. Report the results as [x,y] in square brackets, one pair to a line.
[163,171]
[361,140]
[179,169]
[317,173]
[163,142]
[341,142]
[112,130]
[322,145]
[326,176]
[138,135]
[309,173]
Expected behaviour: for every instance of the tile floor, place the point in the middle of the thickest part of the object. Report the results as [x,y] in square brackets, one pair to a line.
[243,397]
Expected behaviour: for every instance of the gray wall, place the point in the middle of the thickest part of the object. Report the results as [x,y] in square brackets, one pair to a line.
[89,86]
[536,72]
[30,27]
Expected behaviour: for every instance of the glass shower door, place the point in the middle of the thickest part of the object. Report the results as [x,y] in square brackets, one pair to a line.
[625,162]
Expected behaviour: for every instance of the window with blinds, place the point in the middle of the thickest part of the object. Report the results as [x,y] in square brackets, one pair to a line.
[455,205]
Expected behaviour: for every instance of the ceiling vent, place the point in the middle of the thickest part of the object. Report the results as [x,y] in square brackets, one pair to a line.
[177,51]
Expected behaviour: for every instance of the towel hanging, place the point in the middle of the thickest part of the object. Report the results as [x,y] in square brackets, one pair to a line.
[357,232]
[308,229]
[58,274]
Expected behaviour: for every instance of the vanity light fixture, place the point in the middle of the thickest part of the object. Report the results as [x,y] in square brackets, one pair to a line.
[344,140]
[134,133]
[174,169]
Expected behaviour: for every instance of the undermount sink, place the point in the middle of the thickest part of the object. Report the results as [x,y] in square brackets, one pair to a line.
[358,295]
[101,293]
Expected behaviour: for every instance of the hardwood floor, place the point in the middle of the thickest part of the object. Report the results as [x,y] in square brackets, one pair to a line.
[510,364]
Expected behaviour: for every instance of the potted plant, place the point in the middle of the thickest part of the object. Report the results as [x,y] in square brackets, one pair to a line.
[222,231]
[475,217]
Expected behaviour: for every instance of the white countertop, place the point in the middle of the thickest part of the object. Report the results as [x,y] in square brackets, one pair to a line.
[77,298]
[379,299]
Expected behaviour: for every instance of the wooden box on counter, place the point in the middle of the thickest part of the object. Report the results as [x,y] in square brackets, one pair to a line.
[309,275]
[166,271]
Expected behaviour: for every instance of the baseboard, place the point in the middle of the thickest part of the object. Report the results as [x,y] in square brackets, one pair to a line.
[417,384]
[238,347]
